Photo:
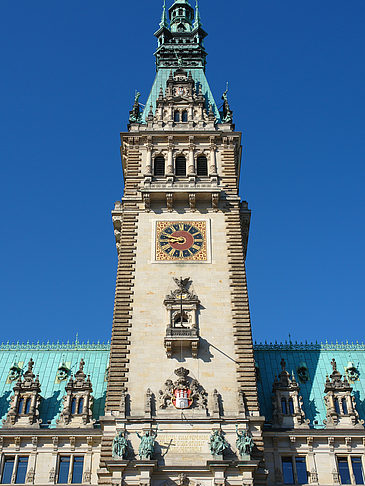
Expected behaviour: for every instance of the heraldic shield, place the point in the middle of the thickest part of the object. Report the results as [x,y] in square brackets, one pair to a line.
[182,398]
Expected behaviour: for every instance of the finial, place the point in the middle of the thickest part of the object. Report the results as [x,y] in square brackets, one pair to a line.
[164,22]
[197,21]
[334,364]
[283,364]
[30,365]
[82,364]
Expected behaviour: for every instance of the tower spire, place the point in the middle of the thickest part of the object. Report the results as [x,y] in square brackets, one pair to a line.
[197,21]
[164,22]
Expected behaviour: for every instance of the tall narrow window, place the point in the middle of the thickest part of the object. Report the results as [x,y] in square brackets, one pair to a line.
[288,473]
[176,116]
[202,166]
[80,406]
[284,407]
[301,467]
[344,406]
[73,405]
[357,470]
[63,470]
[180,166]
[28,401]
[291,406]
[337,406]
[159,166]
[7,470]
[343,469]
[20,405]
[21,470]
[78,466]
[185,116]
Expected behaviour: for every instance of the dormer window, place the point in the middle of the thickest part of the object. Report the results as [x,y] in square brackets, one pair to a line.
[180,166]
[181,12]
[159,166]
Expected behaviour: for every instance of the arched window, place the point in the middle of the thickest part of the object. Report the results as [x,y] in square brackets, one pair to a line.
[73,405]
[80,407]
[344,406]
[180,166]
[185,116]
[176,116]
[291,406]
[159,166]
[337,406]
[202,166]
[284,407]
[181,12]
[27,405]
[20,405]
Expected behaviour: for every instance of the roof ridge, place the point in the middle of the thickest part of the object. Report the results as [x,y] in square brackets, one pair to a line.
[61,346]
[327,346]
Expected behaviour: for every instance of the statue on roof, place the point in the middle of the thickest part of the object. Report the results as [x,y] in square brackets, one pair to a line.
[244,443]
[135,115]
[227,112]
[146,448]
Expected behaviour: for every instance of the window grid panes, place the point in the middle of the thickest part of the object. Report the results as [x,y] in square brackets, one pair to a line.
[78,465]
[21,470]
[63,469]
[344,470]
[159,166]
[202,166]
[288,473]
[357,470]
[7,471]
[301,469]
[180,166]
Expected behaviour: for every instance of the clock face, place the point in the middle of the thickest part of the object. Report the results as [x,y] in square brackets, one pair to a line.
[181,240]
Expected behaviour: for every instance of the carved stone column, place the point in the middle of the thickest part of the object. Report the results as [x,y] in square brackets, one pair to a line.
[149,156]
[191,168]
[213,162]
[170,167]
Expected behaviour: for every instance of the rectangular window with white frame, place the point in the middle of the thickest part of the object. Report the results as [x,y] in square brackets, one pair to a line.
[70,469]
[14,469]
[350,469]
[294,470]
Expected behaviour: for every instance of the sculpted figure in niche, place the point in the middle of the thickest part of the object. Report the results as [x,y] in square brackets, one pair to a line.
[146,448]
[120,446]
[244,443]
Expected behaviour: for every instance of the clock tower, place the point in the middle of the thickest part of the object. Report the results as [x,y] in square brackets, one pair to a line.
[181,404]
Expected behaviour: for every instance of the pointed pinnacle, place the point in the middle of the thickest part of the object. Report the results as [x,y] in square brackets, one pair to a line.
[164,22]
[197,21]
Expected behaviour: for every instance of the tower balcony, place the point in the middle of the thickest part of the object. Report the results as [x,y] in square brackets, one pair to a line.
[180,337]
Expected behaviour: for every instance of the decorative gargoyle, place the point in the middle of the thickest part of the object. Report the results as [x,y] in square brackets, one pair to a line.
[184,393]
[135,115]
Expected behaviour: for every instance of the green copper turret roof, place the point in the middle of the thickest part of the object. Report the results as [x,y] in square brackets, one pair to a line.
[164,21]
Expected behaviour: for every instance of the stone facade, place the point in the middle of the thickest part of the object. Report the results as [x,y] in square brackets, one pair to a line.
[181,396]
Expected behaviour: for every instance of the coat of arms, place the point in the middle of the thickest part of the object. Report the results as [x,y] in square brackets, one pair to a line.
[184,393]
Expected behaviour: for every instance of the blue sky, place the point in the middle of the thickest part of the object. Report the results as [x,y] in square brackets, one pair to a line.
[296,77]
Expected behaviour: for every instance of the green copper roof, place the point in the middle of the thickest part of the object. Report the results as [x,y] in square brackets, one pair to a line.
[47,358]
[161,79]
[317,358]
